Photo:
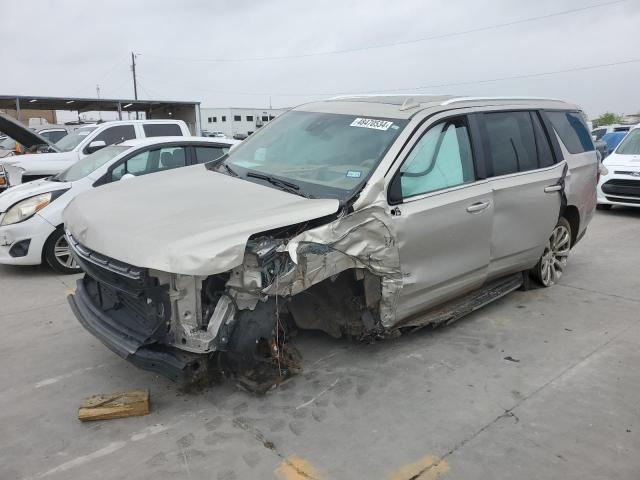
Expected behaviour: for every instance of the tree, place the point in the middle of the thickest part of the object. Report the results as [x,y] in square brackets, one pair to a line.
[607,118]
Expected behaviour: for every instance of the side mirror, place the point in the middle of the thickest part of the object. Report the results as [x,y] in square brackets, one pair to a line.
[95,146]
[127,176]
[394,194]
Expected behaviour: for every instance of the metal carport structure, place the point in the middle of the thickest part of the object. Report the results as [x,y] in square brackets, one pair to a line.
[189,112]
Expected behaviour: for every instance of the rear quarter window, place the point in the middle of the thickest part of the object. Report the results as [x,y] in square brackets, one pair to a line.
[572,130]
[162,130]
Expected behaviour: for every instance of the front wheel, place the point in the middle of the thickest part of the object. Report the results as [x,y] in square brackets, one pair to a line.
[57,253]
[551,265]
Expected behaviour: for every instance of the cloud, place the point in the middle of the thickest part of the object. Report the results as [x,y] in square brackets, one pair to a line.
[82,44]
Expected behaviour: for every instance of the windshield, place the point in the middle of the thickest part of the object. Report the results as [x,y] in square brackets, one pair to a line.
[631,143]
[316,154]
[90,163]
[72,140]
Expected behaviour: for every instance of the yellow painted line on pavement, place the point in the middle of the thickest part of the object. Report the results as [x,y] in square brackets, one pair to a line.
[296,468]
[428,467]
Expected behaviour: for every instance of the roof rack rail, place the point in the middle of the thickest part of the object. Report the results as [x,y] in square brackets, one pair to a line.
[473,99]
[366,95]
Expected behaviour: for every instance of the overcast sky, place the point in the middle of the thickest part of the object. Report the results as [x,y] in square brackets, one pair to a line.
[66,47]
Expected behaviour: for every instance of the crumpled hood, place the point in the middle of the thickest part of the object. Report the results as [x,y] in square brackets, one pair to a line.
[617,160]
[190,220]
[26,190]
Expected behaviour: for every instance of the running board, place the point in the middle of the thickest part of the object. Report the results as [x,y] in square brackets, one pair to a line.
[458,308]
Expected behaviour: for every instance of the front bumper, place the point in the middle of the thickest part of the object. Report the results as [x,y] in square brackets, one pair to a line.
[618,188]
[175,364]
[36,229]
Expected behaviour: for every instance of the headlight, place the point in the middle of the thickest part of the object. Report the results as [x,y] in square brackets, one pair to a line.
[27,208]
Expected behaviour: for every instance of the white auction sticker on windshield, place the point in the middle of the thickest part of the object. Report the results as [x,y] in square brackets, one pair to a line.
[371,123]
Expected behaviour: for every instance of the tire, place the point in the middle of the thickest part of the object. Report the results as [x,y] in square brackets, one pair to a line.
[58,255]
[553,261]
[603,206]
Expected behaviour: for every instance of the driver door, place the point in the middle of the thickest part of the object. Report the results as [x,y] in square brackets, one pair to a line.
[444,220]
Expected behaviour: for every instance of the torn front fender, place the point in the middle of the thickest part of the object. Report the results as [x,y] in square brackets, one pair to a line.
[363,239]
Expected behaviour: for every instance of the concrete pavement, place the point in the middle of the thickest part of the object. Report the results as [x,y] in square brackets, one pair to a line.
[435,404]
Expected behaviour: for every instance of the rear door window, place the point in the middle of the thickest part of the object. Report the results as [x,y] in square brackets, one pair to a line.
[162,130]
[572,130]
[510,142]
[545,153]
[207,154]
[441,159]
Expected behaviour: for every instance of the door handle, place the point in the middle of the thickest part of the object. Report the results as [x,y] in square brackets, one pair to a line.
[552,188]
[477,207]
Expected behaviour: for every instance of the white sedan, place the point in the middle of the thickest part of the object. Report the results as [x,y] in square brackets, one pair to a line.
[620,180]
[31,229]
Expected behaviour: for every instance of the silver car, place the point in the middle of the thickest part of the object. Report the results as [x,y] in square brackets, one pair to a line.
[359,216]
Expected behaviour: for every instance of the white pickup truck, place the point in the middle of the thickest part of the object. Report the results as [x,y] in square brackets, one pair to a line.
[85,140]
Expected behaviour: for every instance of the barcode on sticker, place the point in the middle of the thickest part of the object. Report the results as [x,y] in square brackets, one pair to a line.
[371,123]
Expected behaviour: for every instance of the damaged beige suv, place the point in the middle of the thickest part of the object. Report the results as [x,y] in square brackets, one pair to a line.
[360,216]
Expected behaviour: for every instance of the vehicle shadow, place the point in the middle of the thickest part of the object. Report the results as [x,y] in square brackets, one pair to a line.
[620,211]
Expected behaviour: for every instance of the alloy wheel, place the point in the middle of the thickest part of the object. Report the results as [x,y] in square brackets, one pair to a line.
[554,258]
[62,252]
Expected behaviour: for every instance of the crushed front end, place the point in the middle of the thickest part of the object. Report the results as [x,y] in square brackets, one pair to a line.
[339,275]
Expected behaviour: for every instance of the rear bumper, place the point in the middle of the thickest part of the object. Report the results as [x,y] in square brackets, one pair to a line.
[175,364]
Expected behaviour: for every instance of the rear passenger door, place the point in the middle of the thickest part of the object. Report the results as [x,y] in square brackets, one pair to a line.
[525,179]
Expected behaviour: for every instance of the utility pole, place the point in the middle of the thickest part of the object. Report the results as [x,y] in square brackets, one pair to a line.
[135,83]
[98,92]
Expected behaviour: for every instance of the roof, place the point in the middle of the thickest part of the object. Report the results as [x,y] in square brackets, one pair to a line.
[405,106]
[142,142]
[88,104]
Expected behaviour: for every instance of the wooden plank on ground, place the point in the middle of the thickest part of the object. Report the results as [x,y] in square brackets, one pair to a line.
[114,405]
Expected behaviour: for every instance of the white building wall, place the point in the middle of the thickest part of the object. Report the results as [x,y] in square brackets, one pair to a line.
[232,121]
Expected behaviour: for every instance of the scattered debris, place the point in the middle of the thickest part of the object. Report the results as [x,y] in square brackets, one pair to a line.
[114,405]
[511,359]
[568,330]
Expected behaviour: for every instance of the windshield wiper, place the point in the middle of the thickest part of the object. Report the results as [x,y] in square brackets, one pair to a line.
[231,171]
[282,184]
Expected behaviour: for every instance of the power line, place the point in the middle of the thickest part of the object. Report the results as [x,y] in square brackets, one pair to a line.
[393,44]
[405,89]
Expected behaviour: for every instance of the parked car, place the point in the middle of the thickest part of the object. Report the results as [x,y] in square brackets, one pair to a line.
[82,142]
[620,180]
[612,140]
[240,136]
[51,133]
[31,214]
[602,130]
[358,216]
[216,134]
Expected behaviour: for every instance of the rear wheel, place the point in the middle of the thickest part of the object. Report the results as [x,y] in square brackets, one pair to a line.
[604,206]
[57,253]
[551,265]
